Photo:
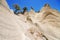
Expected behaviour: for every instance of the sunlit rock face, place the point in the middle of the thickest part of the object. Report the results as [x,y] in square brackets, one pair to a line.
[48,21]
[9,24]
[44,25]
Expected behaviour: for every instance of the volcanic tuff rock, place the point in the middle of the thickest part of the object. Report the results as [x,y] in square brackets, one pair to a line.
[44,25]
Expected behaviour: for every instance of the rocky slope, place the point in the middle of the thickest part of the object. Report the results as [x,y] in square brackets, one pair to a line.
[44,25]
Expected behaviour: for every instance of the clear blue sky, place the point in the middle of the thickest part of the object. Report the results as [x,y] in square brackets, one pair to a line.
[36,4]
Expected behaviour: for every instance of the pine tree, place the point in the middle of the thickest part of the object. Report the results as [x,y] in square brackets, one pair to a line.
[16,6]
[24,9]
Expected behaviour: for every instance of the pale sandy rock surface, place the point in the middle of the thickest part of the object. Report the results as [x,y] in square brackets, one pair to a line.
[44,25]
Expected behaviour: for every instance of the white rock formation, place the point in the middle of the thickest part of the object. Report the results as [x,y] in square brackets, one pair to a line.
[44,25]
[48,20]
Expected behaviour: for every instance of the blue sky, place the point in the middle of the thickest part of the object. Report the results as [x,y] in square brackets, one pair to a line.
[36,4]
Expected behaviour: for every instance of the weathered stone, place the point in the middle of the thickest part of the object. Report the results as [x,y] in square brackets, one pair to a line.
[44,25]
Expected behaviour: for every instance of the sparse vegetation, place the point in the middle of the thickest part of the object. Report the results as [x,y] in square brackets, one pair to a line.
[16,6]
[24,9]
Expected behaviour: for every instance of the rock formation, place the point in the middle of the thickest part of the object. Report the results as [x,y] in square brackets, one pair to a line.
[44,25]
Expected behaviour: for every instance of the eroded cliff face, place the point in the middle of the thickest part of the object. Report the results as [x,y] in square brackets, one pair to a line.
[48,21]
[44,25]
